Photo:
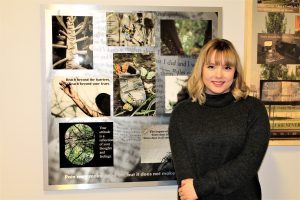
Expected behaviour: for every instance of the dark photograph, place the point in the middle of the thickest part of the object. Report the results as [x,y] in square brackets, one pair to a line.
[278,49]
[72,42]
[86,144]
[184,36]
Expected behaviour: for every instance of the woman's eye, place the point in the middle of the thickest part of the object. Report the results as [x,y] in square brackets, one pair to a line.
[228,68]
[210,66]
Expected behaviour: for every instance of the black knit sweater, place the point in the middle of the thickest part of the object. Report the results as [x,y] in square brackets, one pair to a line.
[221,145]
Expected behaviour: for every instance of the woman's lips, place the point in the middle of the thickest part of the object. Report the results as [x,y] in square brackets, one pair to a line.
[218,83]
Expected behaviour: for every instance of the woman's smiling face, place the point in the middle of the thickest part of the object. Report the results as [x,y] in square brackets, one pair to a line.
[217,78]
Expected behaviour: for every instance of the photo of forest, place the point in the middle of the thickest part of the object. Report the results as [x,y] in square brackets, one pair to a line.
[184,36]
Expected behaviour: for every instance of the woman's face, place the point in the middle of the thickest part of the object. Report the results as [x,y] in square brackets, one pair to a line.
[217,78]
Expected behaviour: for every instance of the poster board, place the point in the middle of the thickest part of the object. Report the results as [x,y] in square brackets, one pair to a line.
[105,104]
[273,66]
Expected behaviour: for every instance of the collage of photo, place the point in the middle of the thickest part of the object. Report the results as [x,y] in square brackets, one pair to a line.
[114,79]
[134,74]
[278,64]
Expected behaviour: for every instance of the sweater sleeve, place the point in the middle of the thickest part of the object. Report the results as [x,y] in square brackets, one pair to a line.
[182,165]
[239,171]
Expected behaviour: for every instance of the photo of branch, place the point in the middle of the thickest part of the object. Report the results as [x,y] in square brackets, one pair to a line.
[72,42]
[134,84]
[130,29]
[184,36]
[80,97]
[79,144]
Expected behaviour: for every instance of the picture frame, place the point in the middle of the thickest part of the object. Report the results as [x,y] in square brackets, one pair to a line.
[103,77]
[271,59]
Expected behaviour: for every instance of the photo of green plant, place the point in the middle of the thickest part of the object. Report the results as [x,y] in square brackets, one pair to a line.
[79,144]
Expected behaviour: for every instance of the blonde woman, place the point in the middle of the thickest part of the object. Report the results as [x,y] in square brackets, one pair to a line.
[219,135]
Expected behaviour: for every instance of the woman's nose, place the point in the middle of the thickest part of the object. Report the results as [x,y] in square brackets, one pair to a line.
[219,72]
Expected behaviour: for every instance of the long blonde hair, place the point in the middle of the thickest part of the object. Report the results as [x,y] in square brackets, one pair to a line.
[223,49]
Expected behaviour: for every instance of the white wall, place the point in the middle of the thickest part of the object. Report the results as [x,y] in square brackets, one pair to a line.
[21,155]
[280,173]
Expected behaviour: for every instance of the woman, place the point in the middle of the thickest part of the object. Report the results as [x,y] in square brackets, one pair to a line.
[219,135]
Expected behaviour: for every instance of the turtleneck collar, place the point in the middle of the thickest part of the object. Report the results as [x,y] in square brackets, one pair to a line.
[219,100]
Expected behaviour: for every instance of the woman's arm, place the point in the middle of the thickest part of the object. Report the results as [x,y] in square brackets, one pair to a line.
[187,190]
[181,161]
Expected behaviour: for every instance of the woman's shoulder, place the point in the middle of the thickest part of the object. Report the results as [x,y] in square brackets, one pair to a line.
[253,101]
[255,105]
[181,110]
[183,105]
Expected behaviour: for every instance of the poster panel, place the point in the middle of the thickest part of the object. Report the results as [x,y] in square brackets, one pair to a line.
[274,73]
[106,90]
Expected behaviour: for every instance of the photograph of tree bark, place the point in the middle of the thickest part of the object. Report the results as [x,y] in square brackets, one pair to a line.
[184,36]
[72,42]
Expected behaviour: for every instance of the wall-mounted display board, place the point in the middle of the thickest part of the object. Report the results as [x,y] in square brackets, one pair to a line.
[275,69]
[111,76]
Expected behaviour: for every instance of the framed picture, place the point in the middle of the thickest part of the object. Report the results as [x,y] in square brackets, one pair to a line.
[273,65]
[106,102]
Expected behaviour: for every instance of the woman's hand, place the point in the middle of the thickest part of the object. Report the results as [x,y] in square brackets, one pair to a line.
[187,190]
[68,89]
